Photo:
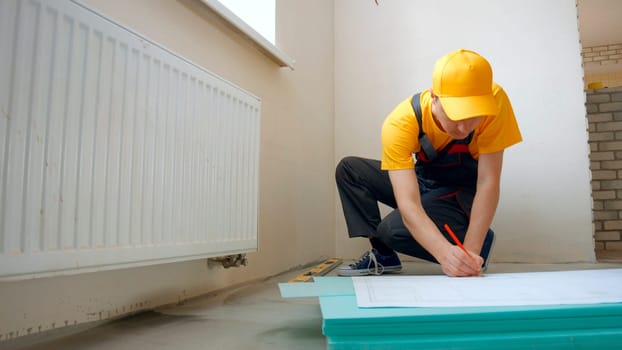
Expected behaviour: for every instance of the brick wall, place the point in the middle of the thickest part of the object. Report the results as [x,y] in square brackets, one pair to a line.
[604,113]
[606,54]
[603,64]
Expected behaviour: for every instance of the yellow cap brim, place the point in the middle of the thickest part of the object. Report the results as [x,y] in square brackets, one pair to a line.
[459,108]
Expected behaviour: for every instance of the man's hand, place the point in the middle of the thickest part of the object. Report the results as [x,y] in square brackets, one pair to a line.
[456,263]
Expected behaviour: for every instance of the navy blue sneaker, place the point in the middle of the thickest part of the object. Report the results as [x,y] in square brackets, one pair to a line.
[489,242]
[372,263]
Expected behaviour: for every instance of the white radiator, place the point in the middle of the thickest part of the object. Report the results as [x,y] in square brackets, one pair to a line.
[115,151]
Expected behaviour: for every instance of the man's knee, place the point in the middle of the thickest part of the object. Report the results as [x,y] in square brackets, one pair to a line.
[344,168]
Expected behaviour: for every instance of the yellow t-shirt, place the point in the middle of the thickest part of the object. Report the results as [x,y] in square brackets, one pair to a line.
[400,131]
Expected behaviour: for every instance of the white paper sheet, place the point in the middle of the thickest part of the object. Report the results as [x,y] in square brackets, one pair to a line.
[504,289]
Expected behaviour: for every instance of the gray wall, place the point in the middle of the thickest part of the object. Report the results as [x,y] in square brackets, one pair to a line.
[604,108]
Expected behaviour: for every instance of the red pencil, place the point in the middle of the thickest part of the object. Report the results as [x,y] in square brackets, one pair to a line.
[453,236]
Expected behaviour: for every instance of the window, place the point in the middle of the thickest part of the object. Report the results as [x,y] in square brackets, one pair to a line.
[254,20]
[259,14]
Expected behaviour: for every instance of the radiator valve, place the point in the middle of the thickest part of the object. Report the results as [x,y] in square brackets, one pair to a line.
[228,261]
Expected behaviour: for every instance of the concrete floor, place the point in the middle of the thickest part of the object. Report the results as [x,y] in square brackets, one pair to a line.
[253,316]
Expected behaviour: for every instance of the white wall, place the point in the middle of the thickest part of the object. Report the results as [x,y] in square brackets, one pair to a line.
[296,219]
[385,53]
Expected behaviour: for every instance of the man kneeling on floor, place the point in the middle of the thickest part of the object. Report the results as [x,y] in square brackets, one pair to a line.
[457,130]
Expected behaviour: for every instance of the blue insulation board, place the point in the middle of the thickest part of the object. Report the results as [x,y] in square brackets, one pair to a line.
[346,326]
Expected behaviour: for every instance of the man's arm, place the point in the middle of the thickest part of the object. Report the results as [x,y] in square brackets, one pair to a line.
[453,260]
[486,199]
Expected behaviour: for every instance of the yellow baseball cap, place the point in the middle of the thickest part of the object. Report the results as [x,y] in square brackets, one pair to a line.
[463,82]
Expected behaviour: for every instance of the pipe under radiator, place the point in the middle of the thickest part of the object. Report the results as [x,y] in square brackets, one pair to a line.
[115,151]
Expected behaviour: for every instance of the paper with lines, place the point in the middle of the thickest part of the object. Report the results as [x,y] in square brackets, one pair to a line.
[503,289]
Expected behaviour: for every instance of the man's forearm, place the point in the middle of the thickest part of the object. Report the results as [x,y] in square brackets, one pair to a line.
[416,220]
[424,231]
[482,214]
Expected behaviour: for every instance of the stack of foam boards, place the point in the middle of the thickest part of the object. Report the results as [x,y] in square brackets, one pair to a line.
[347,326]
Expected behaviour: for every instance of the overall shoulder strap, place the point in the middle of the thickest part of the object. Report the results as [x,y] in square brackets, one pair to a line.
[426,146]
[416,103]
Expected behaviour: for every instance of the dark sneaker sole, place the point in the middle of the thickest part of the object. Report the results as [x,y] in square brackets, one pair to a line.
[393,269]
[366,272]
